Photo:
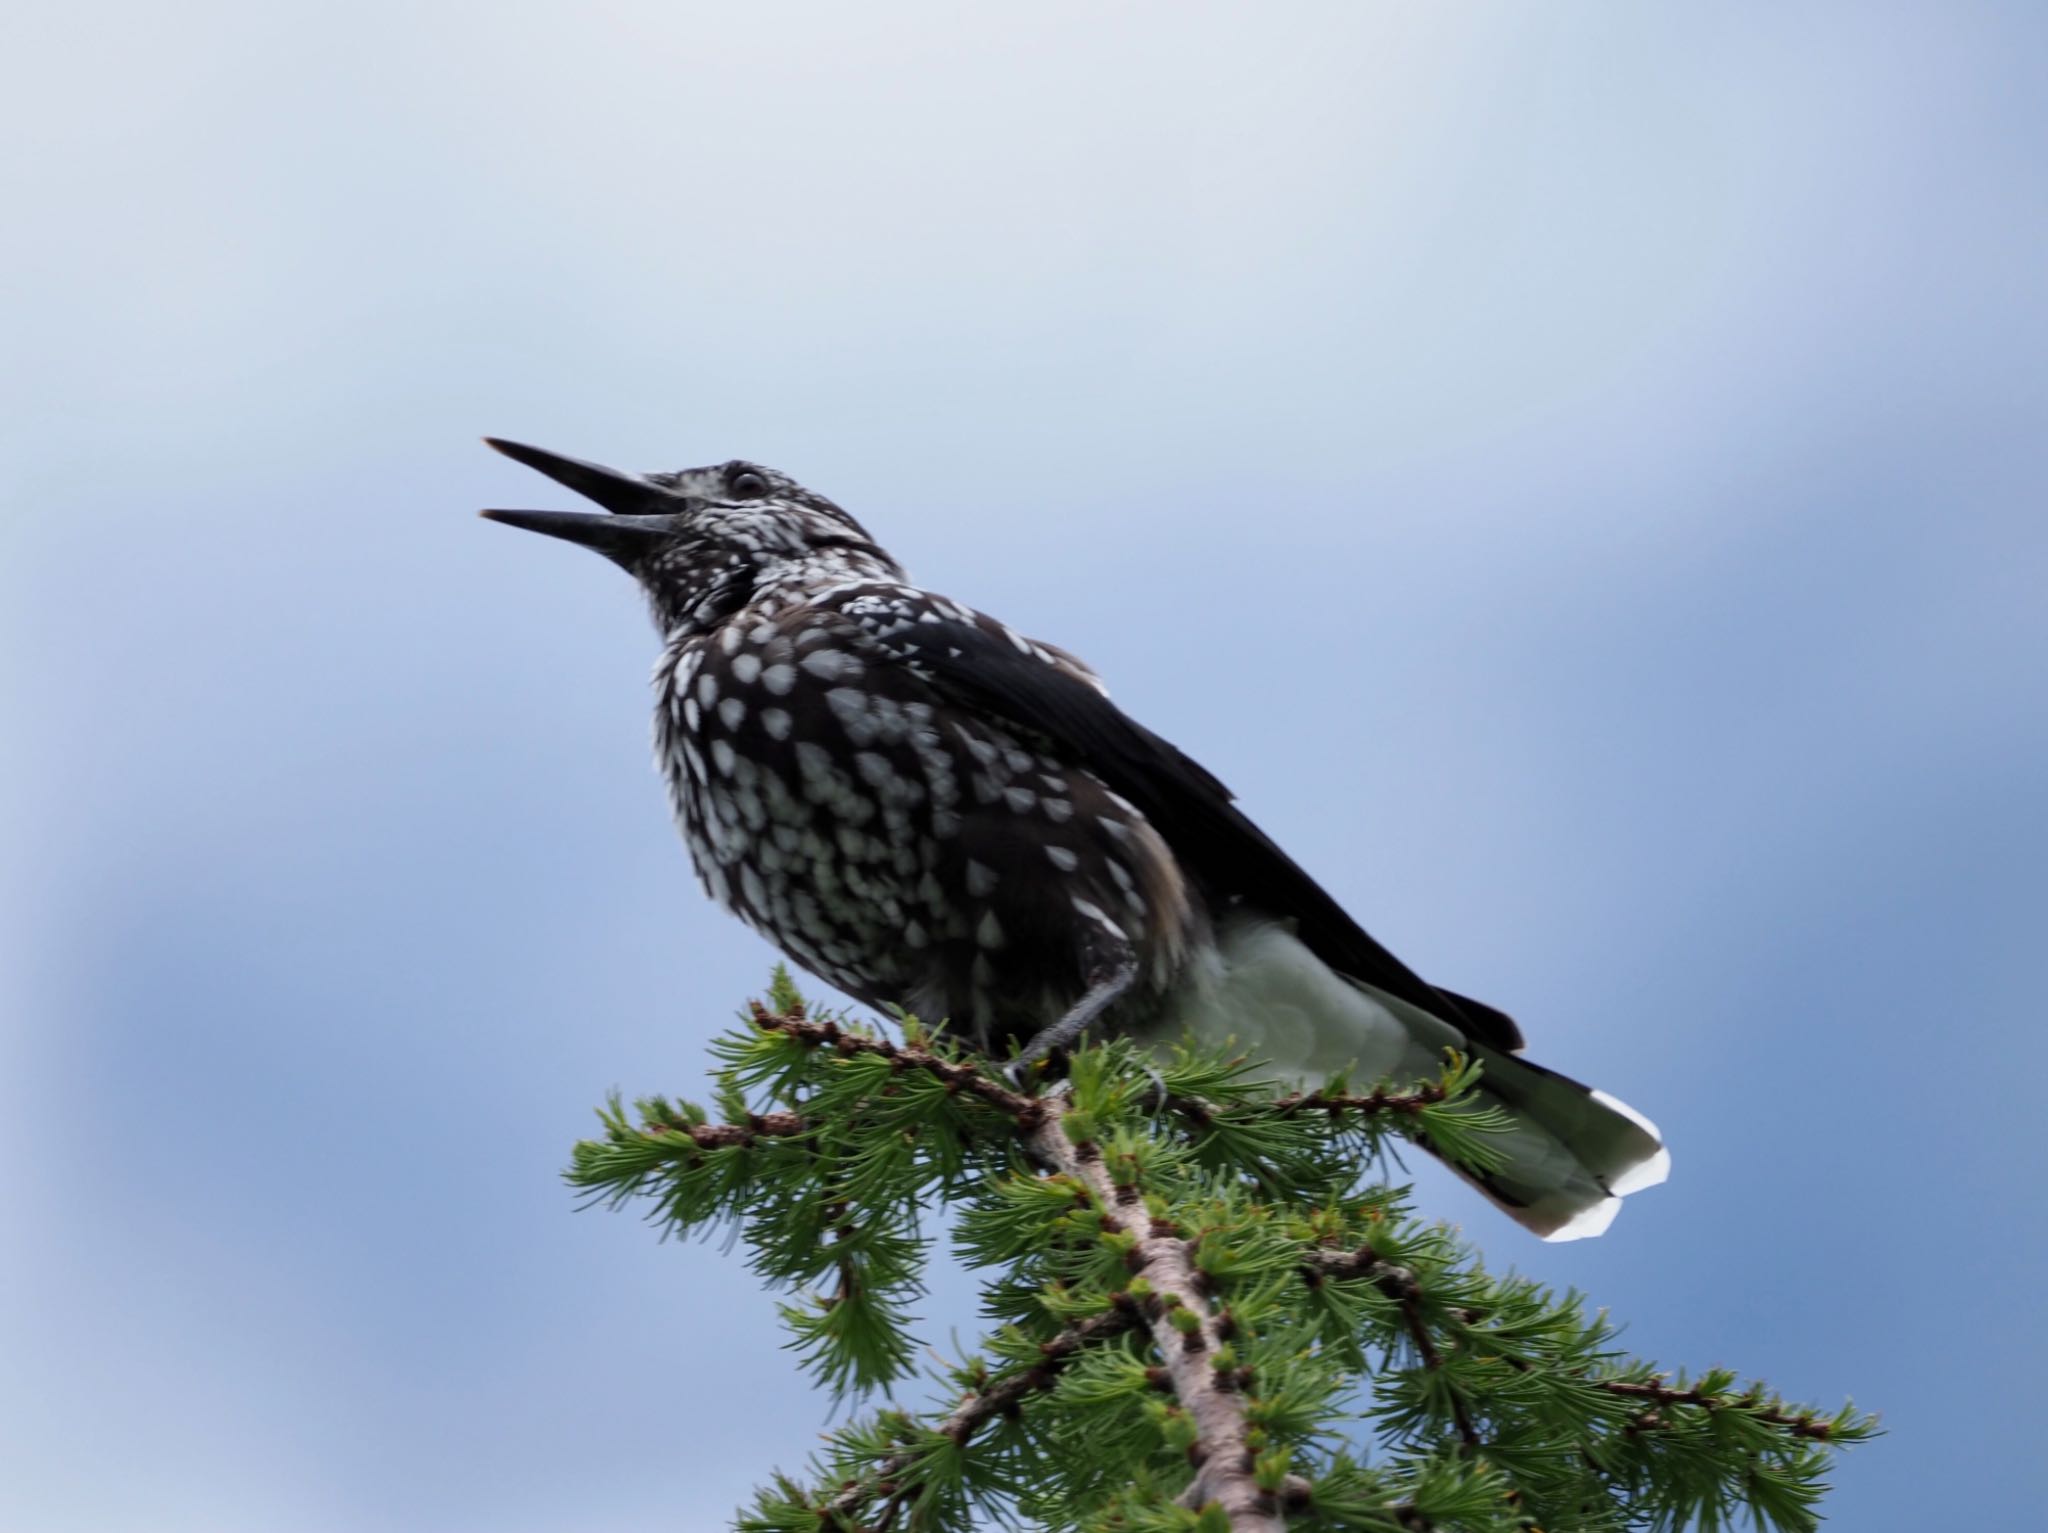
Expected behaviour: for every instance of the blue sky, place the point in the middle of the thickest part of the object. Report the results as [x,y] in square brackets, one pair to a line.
[1577,471]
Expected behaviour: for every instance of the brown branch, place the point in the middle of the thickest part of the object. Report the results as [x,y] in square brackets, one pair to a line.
[903,1056]
[1399,1284]
[719,1136]
[977,1408]
[1802,1424]
[1221,1453]
[1375,1103]
[794,1023]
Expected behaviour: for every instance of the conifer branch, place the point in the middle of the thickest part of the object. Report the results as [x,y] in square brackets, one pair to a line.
[1808,1424]
[1400,1284]
[1375,1103]
[1186,1330]
[979,1407]
[793,1022]
[1146,1272]
[720,1136]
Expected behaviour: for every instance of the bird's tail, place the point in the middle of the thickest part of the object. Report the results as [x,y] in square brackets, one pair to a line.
[1572,1153]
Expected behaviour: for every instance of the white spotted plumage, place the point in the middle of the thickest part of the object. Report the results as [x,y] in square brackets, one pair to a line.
[927,808]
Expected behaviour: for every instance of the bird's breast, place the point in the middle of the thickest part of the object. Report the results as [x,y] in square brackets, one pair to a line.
[905,849]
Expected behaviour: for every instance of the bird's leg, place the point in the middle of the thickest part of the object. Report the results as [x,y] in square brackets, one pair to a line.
[1108,979]
[1156,1098]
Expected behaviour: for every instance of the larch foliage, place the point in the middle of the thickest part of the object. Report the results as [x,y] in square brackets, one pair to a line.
[1208,1309]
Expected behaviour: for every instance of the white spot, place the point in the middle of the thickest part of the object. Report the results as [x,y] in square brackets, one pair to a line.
[1020,799]
[1646,1173]
[1058,810]
[1587,1222]
[729,641]
[690,713]
[1062,859]
[731,711]
[825,664]
[989,933]
[1095,912]
[888,716]
[981,878]
[722,756]
[914,935]
[707,689]
[779,679]
[850,707]
[776,722]
[745,668]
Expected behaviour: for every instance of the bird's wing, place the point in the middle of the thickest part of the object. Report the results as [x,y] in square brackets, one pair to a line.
[985,666]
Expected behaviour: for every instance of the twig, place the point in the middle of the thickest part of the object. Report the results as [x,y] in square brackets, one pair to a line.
[975,1410]
[719,1136]
[1373,1104]
[1804,1424]
[904,1056]
[1399,1284]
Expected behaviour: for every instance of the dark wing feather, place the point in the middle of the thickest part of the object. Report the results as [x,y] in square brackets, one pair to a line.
[980,664]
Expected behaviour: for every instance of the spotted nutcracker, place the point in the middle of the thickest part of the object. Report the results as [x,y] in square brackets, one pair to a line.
[926,809]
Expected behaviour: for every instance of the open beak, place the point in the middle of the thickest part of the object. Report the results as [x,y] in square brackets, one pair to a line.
[619,536]
[620,494]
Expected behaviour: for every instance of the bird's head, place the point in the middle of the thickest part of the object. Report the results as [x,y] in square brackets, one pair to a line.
[703,542]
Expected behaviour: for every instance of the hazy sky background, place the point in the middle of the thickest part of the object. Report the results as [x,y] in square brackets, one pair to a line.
[1576,469]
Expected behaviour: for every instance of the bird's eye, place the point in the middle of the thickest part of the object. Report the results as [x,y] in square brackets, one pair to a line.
[747,485]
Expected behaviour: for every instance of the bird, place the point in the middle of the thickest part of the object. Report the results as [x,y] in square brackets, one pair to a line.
[929,810]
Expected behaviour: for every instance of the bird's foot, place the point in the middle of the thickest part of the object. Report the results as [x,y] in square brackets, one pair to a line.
[1048,1047]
